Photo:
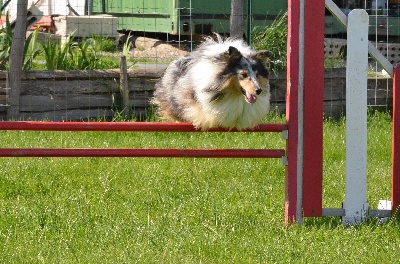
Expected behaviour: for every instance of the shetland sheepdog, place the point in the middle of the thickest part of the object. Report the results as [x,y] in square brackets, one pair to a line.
[223,83]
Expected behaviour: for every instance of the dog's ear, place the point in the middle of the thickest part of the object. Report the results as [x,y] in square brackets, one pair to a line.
[233,54]
[263,55]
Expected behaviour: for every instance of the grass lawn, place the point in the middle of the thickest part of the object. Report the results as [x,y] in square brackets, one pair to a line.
[145,210]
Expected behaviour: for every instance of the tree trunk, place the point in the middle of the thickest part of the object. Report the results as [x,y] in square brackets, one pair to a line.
[16,60]
[236,26]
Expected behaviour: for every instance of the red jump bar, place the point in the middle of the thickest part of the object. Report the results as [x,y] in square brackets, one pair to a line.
[125,127]
[124,152]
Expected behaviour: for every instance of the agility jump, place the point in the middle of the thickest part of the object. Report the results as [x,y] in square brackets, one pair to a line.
[305,99]
[302,131]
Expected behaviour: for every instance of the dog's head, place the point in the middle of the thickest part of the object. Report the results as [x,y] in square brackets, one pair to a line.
[248,74]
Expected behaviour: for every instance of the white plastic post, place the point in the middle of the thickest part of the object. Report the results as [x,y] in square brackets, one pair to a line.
[355,204]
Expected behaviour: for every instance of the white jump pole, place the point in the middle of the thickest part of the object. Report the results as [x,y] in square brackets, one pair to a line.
[355,204]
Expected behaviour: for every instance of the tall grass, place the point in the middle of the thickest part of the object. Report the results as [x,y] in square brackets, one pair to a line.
[30,51]
[103,44]
[274,39]
[5,44]
[127,210]
[85,55]
[75,56]
[56,54]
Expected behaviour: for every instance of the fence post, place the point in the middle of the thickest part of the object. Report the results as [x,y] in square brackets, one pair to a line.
[123,79]
[249,21]
[17,59]
[236,21]
[355,204]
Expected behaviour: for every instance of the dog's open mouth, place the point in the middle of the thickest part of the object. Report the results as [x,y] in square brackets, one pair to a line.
[250,98]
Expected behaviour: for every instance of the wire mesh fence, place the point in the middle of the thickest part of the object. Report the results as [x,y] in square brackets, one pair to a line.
[73,54]
[383,34]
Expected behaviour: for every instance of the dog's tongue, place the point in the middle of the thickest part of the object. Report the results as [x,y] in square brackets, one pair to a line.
[251,98]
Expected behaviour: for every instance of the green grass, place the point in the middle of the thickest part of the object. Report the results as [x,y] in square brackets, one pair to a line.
[145,210]
[274,39]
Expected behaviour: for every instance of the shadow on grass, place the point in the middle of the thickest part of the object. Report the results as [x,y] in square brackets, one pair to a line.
[336,222]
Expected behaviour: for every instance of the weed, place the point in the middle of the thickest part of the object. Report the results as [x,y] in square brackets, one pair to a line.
[127,46]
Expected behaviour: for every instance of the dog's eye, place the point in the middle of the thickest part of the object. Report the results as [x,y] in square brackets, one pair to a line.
[244,75]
